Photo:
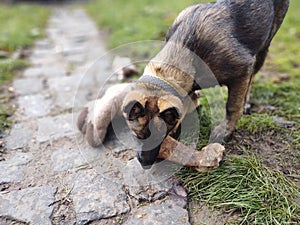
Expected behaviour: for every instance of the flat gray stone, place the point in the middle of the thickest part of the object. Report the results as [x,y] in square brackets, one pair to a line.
[30,205]
[11,170]
[64,100]
[33,106]
[48,60]
[77,59]
[65,159]
[64,90]
[27,86]
[96,198]
[45,71]
[41,52]
[83,97]
[73,49]
[159,213]
[43,44]
[158,177]
[64,84]
[283,122]
[20,136]
[146,185]
[55,127]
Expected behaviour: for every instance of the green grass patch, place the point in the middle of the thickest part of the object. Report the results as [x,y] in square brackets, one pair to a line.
[283,58]
[9,67]
[244,185]
[257,123]
[7,70]
[284,51]
[20,26]
[5,113]
[284,97]
[135,20]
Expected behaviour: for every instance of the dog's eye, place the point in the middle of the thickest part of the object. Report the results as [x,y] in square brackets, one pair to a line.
[134,110]
[170,116]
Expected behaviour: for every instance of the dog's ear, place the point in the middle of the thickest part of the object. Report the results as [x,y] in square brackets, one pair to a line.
[170,105]
[133,110]
[170,115]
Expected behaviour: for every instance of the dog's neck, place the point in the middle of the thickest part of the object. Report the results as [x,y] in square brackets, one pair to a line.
[176,64]
[160,83]
[173,77]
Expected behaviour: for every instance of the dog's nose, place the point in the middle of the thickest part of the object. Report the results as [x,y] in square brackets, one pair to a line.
[146,165]
[147,157]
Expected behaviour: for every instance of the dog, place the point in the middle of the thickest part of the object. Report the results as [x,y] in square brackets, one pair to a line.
[218,43]
[232,38]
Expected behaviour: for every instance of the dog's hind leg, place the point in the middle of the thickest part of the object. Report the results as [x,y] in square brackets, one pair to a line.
[280,9]
[247,103]
[259,62]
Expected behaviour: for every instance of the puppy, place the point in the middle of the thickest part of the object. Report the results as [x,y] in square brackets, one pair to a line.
[231,38]
[220,43]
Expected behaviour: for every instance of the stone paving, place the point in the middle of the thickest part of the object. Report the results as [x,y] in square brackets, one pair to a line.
[48,174]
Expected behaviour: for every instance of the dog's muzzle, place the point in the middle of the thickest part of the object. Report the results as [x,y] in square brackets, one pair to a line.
[148,157]
[148,149]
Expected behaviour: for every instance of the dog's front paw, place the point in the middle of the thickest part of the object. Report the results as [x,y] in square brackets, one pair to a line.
[95,118]
[87,124]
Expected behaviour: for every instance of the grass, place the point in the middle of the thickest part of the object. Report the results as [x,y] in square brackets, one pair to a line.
[257,187]
[9,67]
[283,59]
[20,25]
[257,123]
[135,20]
[7,70]
[245,185]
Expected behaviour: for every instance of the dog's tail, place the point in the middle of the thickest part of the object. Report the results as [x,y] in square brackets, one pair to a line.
[280,9]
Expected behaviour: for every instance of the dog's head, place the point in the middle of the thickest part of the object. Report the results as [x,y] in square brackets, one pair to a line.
[151,115]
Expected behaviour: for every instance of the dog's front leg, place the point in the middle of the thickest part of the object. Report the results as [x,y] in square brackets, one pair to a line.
[234,109]
[95,118]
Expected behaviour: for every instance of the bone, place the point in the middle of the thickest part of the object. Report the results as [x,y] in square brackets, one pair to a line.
[208,158]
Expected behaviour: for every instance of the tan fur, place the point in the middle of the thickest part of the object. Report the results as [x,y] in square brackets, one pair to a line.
[169,101]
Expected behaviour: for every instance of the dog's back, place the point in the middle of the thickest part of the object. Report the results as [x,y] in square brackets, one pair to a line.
[229,35]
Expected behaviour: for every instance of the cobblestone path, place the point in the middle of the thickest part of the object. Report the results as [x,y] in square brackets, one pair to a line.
[49,175]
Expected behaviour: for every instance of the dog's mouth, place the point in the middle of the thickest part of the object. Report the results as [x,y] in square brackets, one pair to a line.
[148,146]
[147,157]
[148,150]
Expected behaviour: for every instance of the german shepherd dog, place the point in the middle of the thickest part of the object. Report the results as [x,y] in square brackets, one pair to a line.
[231,37]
